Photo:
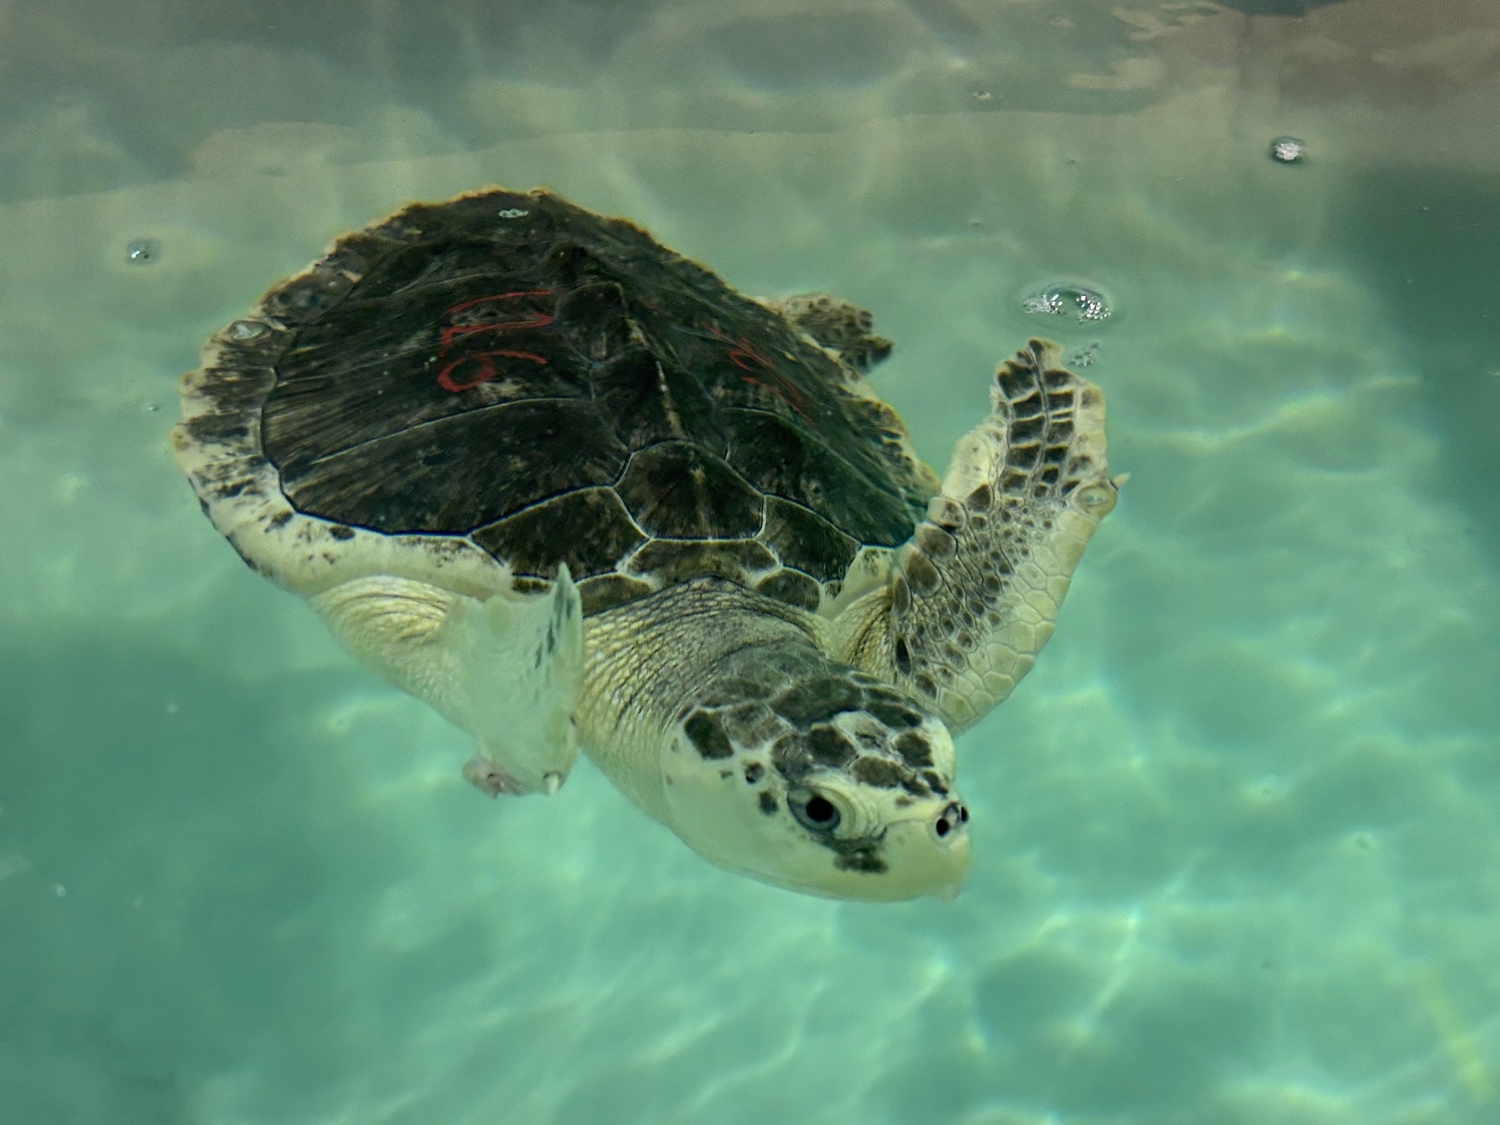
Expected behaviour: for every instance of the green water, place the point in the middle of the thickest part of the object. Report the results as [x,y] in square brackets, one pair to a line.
[1236,837]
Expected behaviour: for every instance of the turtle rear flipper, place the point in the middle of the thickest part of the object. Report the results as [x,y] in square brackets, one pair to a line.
[506,669]
[836,324]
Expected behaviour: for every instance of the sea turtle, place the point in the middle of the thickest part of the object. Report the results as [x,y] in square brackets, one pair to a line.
[570,488]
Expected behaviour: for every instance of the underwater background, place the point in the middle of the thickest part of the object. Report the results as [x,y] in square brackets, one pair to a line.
[1236,838]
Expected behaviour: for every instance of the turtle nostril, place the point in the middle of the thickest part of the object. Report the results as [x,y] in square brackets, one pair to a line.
[949,820]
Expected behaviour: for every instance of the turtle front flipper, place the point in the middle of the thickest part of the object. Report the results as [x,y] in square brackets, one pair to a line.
[506,669]
[976,590]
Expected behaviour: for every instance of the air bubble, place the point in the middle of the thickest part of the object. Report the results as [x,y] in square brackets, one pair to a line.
[1288,150]
[245,330]
[1083,303]
[143,252]
[1085,356]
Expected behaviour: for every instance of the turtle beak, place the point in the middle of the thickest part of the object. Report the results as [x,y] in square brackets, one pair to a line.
[950,891]
[958,865]
[924,862]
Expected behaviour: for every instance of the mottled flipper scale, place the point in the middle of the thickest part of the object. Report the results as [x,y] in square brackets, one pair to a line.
[977,589]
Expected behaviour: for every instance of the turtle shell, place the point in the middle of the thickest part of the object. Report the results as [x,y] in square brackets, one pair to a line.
[552,386]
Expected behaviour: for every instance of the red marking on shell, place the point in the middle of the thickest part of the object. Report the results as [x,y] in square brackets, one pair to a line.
[530,318]
[742,354]
[486,371]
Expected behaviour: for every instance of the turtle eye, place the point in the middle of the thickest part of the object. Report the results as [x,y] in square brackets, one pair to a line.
[813,811]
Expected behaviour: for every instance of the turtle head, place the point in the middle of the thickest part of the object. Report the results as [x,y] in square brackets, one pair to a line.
[824,781]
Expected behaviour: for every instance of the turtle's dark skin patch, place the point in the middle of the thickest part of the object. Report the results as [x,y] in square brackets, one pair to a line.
[792,758]
[750,724]
[914,750]
[865,857]
[935,782]
[891,711]
[902,656]
[829,747]
[233,489]
[732,689]
[878,771]
[818,699]
[705,732]
[915,786]
[767,802]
